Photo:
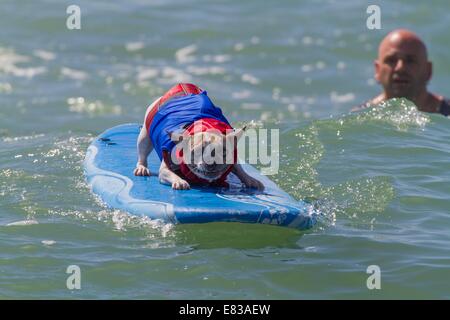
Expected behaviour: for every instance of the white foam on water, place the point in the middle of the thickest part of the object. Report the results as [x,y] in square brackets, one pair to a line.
[81,105]
[320,65]
[74,74]
[255,40]
[251,106]
[250,79]
[307,68]
[48,242]
[220,58]
[343,98]
[44,55]
[22,223]
[8,64]
[201,71]
[134,46]
[146,73]
[185,55]
[5,87]
[15,139]
[239,46]
[292,99]
[266,115]
[122,221]
[253,124]
[307,40]
[243,94]
[341,65]
[172,75]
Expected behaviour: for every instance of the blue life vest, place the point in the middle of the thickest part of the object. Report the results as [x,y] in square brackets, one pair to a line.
[176,114]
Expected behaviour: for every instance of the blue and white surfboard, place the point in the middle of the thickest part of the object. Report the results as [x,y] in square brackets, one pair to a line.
[109,165]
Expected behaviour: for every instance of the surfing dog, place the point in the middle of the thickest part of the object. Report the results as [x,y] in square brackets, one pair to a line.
[193,139]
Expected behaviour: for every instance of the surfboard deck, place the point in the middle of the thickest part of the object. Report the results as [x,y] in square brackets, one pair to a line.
[111,159]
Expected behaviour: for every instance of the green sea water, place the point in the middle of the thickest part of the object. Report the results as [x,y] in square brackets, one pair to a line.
[379,177]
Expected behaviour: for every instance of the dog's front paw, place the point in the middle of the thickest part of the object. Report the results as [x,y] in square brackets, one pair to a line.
[180,184]
[141,171]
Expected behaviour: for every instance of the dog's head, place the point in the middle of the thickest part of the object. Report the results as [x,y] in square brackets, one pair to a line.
[209,154]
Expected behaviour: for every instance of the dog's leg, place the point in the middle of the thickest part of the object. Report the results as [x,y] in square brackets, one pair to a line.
[144,145]
[246,179]
[167,176]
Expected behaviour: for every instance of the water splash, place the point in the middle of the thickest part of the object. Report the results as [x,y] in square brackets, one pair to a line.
[336,143]
[399,112]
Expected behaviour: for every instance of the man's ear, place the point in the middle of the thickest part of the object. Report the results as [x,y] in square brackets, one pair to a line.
[376,65]
[429,70]
[175,136]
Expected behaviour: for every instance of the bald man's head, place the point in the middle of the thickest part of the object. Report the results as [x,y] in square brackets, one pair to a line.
[402,67]
[405,40]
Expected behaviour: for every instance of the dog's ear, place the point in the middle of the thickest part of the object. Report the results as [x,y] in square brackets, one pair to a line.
[175,136]
[233,137]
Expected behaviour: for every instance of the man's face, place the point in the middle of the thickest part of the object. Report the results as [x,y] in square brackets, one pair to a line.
[402,69]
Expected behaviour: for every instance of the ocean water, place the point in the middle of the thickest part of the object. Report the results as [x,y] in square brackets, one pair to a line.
[380,177]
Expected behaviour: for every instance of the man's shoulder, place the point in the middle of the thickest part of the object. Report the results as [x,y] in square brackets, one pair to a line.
[360,107]
[368,103]
[371,102]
